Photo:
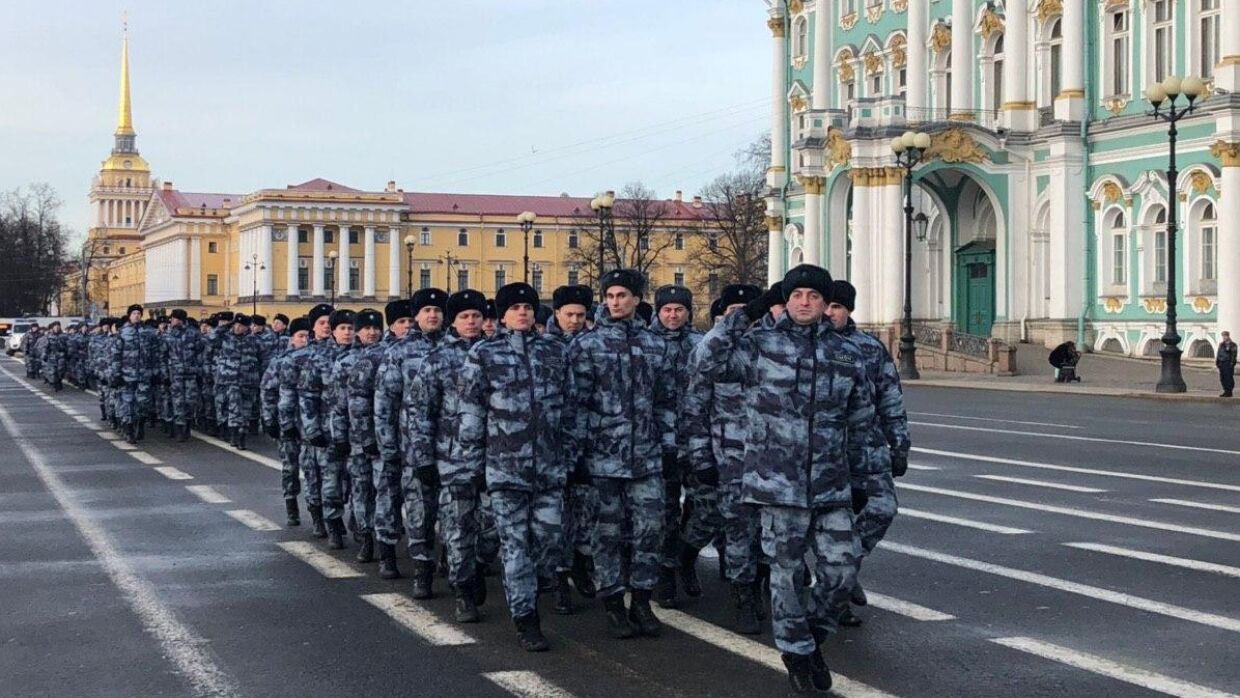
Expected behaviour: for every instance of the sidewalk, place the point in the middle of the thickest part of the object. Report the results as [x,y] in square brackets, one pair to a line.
[1100,374]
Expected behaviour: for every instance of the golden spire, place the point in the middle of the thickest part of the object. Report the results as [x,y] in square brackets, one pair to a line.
[124,120]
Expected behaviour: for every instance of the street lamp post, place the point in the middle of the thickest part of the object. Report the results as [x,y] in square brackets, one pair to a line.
[526,219]
[254,266]
[331,278]
[908,150]
[409,245]
[451,262]
[1167,92]
[602,205]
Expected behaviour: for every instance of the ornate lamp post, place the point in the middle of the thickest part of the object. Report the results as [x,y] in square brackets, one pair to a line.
[331,278]
[908,150]
[410,242]
[526,220]
[602,205]
[254,266]
[1167,93]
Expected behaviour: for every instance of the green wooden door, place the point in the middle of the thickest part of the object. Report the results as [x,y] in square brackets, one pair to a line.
[975,288]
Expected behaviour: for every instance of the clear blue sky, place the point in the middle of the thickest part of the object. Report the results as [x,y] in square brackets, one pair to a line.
[498,96]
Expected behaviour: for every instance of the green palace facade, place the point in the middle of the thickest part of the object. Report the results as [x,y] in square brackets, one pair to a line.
[1045,184]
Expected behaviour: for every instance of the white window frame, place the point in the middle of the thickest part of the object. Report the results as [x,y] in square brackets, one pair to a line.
[1205,54]
[1160,41]
[501,238]
[1207,239]
[1117,53]
[800,37]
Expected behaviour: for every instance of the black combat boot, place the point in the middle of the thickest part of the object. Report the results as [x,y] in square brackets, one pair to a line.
[387,562]
[335,534]
[530,630]
[583,575]
[642,616]
[240,438]
[316,515]
[800,676]
[465,610]
[103,413]
[423,578]
[366,550]
[563,595]
[617,617]
[141,427]
[848,619]
[820,673]
[165,426]
[747,622]
[858,597]
[131,433]
[294,516]
[184,433]
[665,588]
[688,571]
[479,587]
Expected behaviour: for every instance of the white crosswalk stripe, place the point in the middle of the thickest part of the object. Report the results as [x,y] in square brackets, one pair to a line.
[1040,483]
[327,565]
[419,620]
[1184,562]
[1199,505]
[957,521]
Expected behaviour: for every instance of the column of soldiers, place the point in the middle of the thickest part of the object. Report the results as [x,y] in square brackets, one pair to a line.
[595,450]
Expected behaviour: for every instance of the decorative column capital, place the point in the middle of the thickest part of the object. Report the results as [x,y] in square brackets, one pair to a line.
[774,223]
[812,185]
[776,25]
[1228,153]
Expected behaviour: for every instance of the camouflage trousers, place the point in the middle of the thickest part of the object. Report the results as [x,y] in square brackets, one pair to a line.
[580,516]
[311,484]
[742,534]
[183,396]
[332,484]
[104,399]
[144,405]
[33,369]
[207,400]
[639,504]
[879,512]
[701,522]
[530,537]
[362,492]
[421,509]
[126,401]
[163,401]
[234,405]
[797,612]
[389,501]
[290,453]
[469,534]
[669,547]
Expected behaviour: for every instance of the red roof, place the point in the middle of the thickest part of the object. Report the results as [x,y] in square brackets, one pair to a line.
[504,204]
[320,184]
[174,199]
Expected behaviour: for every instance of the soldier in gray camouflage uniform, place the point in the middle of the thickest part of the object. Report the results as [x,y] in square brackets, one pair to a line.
[289,410]
[316,403]
[433,426]
[514,389]
[29,342]
[97,353]
[288,438]
[398,492]
[236,368]
[358,395]
[55,356]
[809,412]
[625,422]
[213,338]
[129,370]
[367,328]
[886,442]
[182,354]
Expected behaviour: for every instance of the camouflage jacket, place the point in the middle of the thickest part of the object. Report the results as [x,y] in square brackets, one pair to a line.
[808,408]
[624,408]
[888,432]
[210,348]
[127,358]
[513,394]
[680,345]
[182,352]
[96,355]
[434,418]
[360,393]
[713,421]
[288,409]
[337,393]
[236,361]
[269,386]
[56,351]
[396,371]
[315,389]
[269,344]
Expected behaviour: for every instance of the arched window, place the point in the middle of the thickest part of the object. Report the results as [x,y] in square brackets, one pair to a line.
[1209,244]
[1209,27]
[1117,232]
[1056,35]
[800,37]
[996,80]
[1160,246]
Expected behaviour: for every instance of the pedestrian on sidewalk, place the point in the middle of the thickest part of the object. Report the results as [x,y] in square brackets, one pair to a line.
[1065,358]
[1225,359]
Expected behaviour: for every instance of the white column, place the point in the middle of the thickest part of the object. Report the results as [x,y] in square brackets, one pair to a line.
[821,98]
[1070,102]
[1018,104]
[774,249]
[917,95]
[864,235]
[891,247]
[963,58]
[316,273]
[395,245]
[1229,246]
[342,270]
[1227,72]
[195,269]
[368,262]
[293,262]
[776,175]
[813,219]
[266,256]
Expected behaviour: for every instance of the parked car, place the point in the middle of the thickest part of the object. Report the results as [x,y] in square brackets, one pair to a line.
[13,341]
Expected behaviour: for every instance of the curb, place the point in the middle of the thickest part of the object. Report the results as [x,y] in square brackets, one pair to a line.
[1093,392]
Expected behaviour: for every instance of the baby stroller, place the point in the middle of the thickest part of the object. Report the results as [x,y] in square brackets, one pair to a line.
[1065,358]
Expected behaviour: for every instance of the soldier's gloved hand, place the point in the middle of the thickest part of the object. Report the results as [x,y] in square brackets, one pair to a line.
[320,441]
[899,463]
[757,308]
[371,450]
[859,498]
[291,433]
[340,449]
[708,476]
[671,466]
[428,475]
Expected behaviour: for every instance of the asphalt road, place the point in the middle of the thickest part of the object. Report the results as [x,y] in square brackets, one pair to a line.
[1047,546]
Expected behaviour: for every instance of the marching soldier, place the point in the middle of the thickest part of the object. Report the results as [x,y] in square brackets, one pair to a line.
[55,356]
[289,410]
[289,445]
[129,370]
[357,389]
[183,354]
[218,327]
[315,401]
[236,371]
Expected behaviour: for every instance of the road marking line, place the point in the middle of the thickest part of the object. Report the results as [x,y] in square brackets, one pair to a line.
[1199,505]
[252,519]
[172,473]
[248,455]
[70,411]
[208,494]
[1083,471]
[913,466]
[1005,421]
[420,621]
[756,651]
[124,445]
[1069,437]
[145,458]
[1041,483]
[83,419]
[1093,592]
[956,521]
[188,652]
[1111,669]
[327,565]
[906,608]
[526,684]
[1184,562]
[108,436]
[1079,513]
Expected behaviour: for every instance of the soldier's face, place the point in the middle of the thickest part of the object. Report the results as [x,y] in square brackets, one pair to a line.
[136,316]
[343,334]
[621,303]
[838,315]
[429,319]
[175,322]
[322,328]
[806,306]
[519,317]
[400,328]
[278,325]
[301,339]
[488,327]
[468,324]
[777,310]
[368,335]
[673,316]
[571,318]
[255,329]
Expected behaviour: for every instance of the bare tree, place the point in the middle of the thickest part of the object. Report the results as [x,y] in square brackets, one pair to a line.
[641,230]
[734,222]
[32,249]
